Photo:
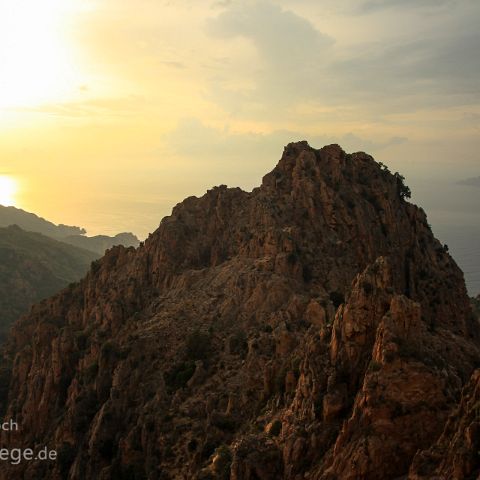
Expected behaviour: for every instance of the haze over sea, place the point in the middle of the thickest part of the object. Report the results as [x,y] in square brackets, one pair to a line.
[464,245]
[453,212]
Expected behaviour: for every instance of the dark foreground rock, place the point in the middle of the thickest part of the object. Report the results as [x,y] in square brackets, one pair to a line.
[313,328]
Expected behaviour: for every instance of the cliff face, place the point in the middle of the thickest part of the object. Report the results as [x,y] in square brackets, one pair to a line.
[456,454]
[313,328]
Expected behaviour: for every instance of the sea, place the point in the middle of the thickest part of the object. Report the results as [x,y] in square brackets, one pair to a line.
[453,211]
[464,245]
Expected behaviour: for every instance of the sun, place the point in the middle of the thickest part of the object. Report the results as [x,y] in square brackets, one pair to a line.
[35,53]
[8,189]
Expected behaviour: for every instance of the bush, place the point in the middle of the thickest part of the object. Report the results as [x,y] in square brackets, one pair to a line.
[307,274]
[108,448]
[208,448]
[198,345]
[109,348]
[5,374]
[238,343]
[374,366]
[292,258]
[91,373]
[85,409]
[275,428]
[280,380]
[223,461]
[179,375]
[383,167]
[337,298]
[81,340]
[403,190]
[65,457]
[367,287]
[224,422]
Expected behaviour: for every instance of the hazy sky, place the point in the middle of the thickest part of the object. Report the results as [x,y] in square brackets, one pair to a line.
[112,111]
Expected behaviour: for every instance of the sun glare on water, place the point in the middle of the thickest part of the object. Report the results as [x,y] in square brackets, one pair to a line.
[8,189]
[35,54]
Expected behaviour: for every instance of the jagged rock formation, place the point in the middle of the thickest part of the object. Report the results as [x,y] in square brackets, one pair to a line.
[313,328]
[456,454]
[33,267]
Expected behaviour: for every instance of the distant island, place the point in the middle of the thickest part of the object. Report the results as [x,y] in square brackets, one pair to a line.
[470,182]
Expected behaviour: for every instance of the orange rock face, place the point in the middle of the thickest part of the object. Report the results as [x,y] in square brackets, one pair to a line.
[313,328]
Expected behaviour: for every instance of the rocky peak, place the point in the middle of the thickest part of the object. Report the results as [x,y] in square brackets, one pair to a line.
[312,328]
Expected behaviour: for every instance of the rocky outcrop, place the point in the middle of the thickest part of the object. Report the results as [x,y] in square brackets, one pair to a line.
[312,328]
[456,454]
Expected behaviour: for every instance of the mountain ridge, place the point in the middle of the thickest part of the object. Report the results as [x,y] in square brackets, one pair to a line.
[33,267]
[68,234]
[312,326]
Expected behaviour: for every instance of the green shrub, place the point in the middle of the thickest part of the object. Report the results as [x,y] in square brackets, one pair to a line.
[179,375]
[403,190]
[85,409]
[337,298]
[91,373]
[280,380]
[374,366]
[367,287]
[81,340]
[198,345]
[65,457]
[5,375]
[276,428]
[292,258]
[208,448]
[238,343]
[223,462]
[307,274]
[109,348]
[224,422]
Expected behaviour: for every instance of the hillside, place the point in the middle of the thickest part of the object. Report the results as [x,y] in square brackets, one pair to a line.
[33,223]
[33,267]
[73,235]
[101,243]
[312,328]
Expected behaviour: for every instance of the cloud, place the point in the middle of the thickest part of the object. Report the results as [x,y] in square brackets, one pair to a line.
[173,64]
[289,50]
[434,64]
[215,155]
[376,5]
[192,138]
[470,182]
[429,70]
[282,38]
[100,107]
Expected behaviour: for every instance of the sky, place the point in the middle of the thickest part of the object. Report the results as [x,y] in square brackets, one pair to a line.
[113,111]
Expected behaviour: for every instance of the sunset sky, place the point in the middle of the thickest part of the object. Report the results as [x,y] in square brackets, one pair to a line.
[112,111]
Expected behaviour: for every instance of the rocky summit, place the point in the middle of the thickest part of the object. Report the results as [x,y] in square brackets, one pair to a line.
[313,328]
